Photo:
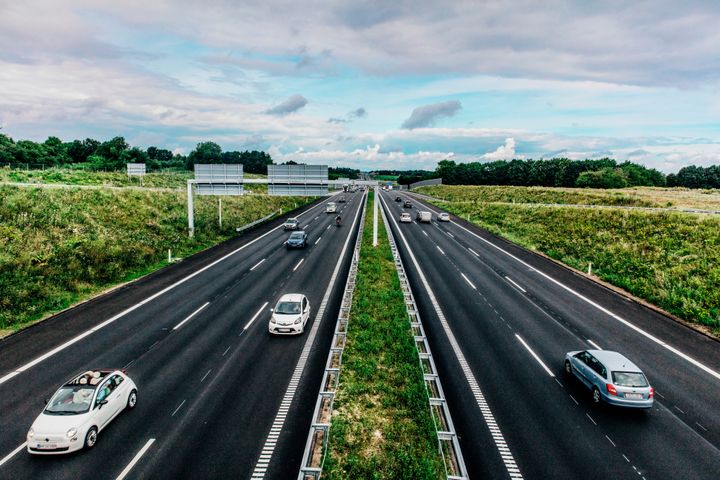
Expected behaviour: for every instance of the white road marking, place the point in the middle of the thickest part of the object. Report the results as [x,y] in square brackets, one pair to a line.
[205,376]
[592,420]
[613,315]
[441,250]
[257,264]
[328,227]
[424,233]
[450,235]
[594,344]
[107,322]
[316,241]
[178,408]
[136,459]
[527,347]
[474,252]
[469,282]
[191,316]
[269,447]
[610,440]
[255,316]
[12,454]
[678,409]
[573,399]
[498,438]
[298,264]
[695,424]
[518,286]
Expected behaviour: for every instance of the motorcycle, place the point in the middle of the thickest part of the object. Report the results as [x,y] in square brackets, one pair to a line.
[337,221]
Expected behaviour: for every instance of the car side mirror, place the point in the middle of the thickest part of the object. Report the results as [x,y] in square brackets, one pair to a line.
[272,310]
[47,401]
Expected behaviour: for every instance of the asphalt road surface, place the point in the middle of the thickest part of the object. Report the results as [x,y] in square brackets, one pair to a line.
[500,320]
[194,338]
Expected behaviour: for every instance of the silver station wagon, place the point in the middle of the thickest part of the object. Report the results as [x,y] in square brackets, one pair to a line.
[611,377]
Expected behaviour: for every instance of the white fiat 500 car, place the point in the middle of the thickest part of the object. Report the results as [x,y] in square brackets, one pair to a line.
[290,314]
[79,410]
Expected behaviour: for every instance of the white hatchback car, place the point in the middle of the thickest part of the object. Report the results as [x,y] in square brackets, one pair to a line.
[331,207]
[443,217]
[290,315]
[79,410]
[405,218]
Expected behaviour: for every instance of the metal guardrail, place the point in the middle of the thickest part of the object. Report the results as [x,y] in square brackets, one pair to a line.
[260,220]
[426,183]
[448,443]
[317,441]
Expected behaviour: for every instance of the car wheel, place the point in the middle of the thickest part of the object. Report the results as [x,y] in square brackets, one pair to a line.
[91,437]
[596,397]
[568,368]
[132,399]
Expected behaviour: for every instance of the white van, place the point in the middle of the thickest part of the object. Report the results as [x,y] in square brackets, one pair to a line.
[424,216]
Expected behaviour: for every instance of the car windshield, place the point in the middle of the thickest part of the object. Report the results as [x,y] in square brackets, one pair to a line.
[70,400]
[292,220]
[629,379]
[296,236]
[288,308]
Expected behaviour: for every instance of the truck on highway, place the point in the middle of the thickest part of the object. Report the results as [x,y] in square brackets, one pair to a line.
[424,216]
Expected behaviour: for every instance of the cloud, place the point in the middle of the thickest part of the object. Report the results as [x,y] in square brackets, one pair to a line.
[292,104]
[357,113]
[427,114]
[503,152]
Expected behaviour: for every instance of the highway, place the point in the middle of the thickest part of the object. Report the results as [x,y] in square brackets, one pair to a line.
[500,320]
[215,390]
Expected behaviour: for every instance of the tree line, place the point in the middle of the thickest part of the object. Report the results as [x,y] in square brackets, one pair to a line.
[114,154]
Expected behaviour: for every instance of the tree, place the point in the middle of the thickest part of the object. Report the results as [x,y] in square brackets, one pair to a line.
[205,152]
[604,178]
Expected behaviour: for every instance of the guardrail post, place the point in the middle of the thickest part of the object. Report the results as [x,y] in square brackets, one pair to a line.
[191,218]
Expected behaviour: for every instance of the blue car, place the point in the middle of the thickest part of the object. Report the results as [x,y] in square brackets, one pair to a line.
[297,239]
[611,377]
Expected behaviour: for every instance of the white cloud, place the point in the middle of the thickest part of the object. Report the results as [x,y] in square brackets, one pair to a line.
[503,152]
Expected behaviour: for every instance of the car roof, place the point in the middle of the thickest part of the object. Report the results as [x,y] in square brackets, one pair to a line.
[292,219]
[614,361]
[291,297]
[297,233]
[404,213]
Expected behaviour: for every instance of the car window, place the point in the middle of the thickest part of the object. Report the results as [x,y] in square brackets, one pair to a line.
[583,357]
[117,380]
[597,367]
[70,400]
[304,304]
[104,391]
[629,379]
[288,308]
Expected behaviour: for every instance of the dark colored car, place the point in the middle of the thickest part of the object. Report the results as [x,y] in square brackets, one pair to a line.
[407,204]
[398,199]
[297,239]
[291,224]
[342,200]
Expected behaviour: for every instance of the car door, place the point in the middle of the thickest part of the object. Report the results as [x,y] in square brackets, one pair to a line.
[597,373]
[581,367]
[305,310]
[102,409]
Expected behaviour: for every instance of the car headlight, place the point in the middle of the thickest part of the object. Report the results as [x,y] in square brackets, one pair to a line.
[71,433]
[272,319]
[299,319]
[31,433]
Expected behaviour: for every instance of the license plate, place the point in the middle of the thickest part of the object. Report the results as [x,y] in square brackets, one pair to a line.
[634,396]
[46,446]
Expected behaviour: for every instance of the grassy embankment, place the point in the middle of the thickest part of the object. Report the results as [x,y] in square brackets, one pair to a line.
[381,425]
[59,246]
[670,259]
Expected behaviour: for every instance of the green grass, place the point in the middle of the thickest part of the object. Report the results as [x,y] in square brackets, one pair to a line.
[667,258]
[59,246]
[381,424]
[386,178]
[70,176]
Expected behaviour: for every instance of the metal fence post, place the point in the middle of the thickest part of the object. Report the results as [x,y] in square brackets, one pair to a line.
[191,219]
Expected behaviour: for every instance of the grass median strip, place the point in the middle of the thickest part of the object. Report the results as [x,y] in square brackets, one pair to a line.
[381,424]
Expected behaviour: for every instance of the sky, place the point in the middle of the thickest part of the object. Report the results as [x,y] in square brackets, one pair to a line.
[371,85]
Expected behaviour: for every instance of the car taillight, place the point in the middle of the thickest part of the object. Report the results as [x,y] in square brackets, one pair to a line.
[652,393]
[611,389]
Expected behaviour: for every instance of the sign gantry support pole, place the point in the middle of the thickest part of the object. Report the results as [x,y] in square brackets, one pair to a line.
[375,217]
[191,217]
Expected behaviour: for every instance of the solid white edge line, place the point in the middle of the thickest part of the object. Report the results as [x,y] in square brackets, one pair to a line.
[441,250]
[12,454]
[613,315]
[257,264]
[136,459]
[468,281]
[270,443]
[298,264]
[518,286]
[527,347]
[500,443]
[594,344]
[190,316]
[76,339]
[255,316]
